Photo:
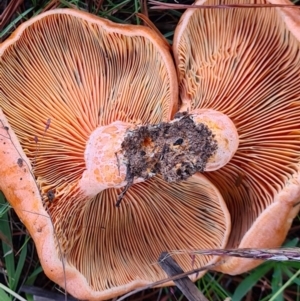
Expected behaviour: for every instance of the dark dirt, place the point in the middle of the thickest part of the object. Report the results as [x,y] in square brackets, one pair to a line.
[174,150]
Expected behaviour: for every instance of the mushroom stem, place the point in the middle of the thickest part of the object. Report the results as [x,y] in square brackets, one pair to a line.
[121,154]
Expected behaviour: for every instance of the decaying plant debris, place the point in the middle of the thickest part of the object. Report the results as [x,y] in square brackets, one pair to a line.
[175,150]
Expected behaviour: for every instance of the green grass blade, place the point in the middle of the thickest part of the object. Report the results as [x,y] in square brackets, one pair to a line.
[4,296]
[291,243]
[211,283]
[276,282]
[289,282]
[4,207]
[18,297]
[20,264]
[15,21]
[114,7]
[8,253]
[246,285]
[30,280]
[290,274]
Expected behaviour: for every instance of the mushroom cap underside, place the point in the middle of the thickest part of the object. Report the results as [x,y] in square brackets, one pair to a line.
[64,73]
[245,63]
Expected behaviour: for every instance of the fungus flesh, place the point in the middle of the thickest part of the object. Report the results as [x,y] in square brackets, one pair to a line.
[64,76]
[245,63]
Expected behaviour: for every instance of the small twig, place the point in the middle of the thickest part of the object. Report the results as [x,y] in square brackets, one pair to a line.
[185,284]
[118,162]
[144,8]
[163,152]
[99,5]
[40,292]
[160,5]
[173,278]
[121,195]
[280,254]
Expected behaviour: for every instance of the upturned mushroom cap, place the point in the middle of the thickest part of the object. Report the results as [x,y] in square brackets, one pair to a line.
[64,74]
[245,63]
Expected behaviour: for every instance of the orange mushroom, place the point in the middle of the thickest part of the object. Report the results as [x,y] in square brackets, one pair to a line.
[73,87]
[245,63]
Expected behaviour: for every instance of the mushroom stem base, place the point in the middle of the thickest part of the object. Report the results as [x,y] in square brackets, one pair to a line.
[121,154]
[175,150]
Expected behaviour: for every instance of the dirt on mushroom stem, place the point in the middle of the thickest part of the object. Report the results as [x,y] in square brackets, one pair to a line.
[174,150]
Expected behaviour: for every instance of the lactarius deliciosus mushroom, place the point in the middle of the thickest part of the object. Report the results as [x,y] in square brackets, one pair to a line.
[85,104]
[245,63]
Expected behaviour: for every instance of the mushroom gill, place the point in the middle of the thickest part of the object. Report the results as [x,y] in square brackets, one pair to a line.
[245,63]
[115,246]
[66,73]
